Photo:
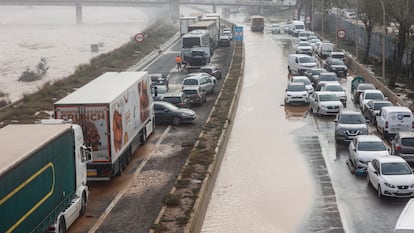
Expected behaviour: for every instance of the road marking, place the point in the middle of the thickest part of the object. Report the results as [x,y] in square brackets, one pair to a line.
[122,192]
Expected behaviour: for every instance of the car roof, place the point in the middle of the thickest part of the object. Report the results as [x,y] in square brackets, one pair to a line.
[300,77]
[404,134]
[299,55]
[368,138]
[395,108]
[325,93]
[390,159]
[365,84]
[373,91]
[350,112]
[337,53]
[208,67]
[191,88]
[296,84]
[328,73]
[173,94]
[380,101]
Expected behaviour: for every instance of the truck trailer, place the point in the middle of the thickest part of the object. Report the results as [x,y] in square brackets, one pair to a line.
[42,177]
[116,114]
[185,22]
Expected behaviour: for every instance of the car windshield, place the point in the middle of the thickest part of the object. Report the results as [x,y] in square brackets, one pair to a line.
[304,43]
[335,88]
[378,106]
[351,119]
[206,70]
[172,99]
[296,88]
[329,97]
[407,141]
[374,96]
[329,77]
[337,62]
[317,72]
[190,92]
[190,82]
[305,81]
[306,59]
[371,146]
[395,168]
[338,56]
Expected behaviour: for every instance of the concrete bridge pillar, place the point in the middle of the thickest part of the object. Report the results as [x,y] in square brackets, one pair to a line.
[214,8]
[174,10]
[78,7]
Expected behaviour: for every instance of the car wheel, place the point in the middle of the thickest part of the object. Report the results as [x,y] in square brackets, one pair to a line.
[176,121]
[380,192]
[289,70]
[368,180]
[317,111]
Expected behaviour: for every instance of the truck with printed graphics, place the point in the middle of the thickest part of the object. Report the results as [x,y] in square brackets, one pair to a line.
[42,177]
[116,114]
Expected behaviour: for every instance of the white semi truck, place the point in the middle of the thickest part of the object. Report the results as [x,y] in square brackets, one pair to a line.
[116,114]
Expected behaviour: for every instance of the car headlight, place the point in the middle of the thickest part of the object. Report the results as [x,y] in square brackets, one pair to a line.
[324,106]
[412,186]
[340,131]
[389,185]
[184,114]
[305,95]
[364,131]
[288,95]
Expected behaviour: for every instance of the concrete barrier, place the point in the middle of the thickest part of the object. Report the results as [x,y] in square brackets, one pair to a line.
[362,71]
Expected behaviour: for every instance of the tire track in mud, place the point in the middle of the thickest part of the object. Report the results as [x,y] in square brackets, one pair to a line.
[324,214]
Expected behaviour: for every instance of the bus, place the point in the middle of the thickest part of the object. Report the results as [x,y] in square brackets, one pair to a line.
[199,39]
[257,23]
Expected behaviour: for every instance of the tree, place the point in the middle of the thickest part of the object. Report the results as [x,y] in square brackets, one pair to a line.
[368,14]
[400,10]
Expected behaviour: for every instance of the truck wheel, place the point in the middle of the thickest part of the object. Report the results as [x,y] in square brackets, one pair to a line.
[83,204]
[62,225]
[176,121]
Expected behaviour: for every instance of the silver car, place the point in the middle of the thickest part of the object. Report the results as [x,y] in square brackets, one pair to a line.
[364,148]
[325,103]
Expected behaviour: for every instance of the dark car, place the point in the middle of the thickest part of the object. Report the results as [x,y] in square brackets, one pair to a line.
[211,70]
[196,94]
[337,66]
[373,107]
[179,99]
[349,124]
[325,77]
[224,41]
[403,145]
[171,114]
[313,74]
[159,79]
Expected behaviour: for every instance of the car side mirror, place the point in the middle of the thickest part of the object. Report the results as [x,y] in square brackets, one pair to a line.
[354,150]
[376,172]
[367,121]
[336,121]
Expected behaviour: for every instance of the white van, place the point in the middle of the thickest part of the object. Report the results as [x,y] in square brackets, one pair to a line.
[299,63]
[405,223]
[392,119]
[325,49]
[297,26]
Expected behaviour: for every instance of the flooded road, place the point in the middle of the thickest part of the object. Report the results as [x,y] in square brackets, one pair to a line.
[262,171]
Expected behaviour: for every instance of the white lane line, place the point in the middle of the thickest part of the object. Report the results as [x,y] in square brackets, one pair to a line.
[122,192]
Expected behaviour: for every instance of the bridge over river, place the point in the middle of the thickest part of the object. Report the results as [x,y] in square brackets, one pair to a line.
[173,5]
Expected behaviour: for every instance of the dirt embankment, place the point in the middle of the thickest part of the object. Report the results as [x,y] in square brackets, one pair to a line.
[39,105]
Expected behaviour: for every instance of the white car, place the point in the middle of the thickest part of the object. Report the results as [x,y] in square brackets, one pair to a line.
[314,43]
[296,93]
[337,89]
[305,80]
[304,47]
[391,176]
[228,34]
[325,103]
[364,148]
[368,95]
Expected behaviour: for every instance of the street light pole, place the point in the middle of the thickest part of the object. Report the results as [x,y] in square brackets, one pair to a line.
[383,39]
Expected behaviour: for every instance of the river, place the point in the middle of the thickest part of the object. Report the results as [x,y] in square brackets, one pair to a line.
[29,33]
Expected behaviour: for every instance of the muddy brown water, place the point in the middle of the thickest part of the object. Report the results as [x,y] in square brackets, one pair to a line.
[264,184]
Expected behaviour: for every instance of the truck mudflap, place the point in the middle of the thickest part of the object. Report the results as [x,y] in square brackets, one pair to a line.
[149,128]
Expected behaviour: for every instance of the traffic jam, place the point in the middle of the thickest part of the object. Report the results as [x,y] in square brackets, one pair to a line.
[200,36]
[377,134]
